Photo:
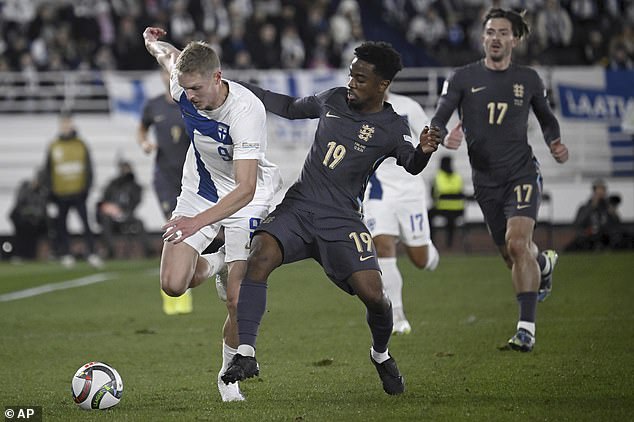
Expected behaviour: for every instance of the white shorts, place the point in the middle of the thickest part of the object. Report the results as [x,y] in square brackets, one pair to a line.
[238,227]
[406,220]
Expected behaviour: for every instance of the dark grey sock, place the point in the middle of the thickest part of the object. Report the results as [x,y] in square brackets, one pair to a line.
[528,306]
[251,307]
[381,328]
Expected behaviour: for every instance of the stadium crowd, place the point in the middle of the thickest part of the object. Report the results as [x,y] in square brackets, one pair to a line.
[43,35]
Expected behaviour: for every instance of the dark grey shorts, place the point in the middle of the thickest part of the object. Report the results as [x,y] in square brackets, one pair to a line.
[340,243]
[520,197]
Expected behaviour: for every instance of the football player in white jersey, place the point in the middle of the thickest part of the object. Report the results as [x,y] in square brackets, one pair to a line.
[395,209]
[226,182]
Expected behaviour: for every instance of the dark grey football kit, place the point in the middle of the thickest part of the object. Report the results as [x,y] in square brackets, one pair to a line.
[320,216]
[494,107]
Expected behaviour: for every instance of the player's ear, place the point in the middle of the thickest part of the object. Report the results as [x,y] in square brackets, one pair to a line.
[384,85]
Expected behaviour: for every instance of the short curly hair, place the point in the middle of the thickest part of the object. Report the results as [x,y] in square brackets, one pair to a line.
[386,60]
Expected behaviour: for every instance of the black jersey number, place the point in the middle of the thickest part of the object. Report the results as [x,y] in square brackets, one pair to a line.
[336,153]
[499,109]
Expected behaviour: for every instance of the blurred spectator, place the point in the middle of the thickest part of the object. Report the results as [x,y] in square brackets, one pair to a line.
[292,53]
[265,49]
[29,216]
[181,22]
[554,31]
[115,211]
[103,34]
[69,177]
[597,222]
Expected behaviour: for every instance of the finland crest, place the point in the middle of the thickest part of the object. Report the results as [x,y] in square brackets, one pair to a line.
[223,131]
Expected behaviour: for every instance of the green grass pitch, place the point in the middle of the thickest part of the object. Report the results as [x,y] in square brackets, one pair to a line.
[314,344]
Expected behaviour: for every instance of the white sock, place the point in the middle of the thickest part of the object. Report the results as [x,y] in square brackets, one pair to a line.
[433,257]
[528,326]
[246,350]
[227,354]
[392,283]
[379,357]
[216,261]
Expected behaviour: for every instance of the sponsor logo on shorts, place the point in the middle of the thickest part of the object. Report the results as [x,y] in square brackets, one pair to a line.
[365,258]
[521,207]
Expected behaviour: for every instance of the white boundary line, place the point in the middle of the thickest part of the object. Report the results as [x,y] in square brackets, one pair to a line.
[52,287]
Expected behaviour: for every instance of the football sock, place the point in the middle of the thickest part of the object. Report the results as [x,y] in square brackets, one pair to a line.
[528,308]
[251,307]
[227,354]
[381,328]
[216,260]
[528,326]
[379,357]
[544,264]
[246,350]
[392,283]
[433,257]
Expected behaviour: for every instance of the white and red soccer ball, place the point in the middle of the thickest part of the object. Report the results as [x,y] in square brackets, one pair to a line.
[96,385]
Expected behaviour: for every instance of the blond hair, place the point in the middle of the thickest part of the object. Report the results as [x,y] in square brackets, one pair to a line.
[198,57]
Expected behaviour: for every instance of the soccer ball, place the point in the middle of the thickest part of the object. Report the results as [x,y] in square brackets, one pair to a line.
[96,385]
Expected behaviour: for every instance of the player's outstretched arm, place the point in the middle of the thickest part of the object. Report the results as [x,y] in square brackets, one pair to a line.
[559,151]
[454,137]
[164,52]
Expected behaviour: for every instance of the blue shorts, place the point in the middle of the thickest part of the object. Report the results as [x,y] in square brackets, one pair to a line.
[520,197]
[340,243]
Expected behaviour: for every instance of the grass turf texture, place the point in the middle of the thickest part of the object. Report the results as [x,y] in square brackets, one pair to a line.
[314,344]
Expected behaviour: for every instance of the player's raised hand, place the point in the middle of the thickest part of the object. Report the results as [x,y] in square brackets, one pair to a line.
[152,34]
[559,151]
[429,139]
[454,137]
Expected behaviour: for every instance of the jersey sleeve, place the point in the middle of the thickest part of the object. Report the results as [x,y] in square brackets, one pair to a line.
[449,100]
[285,105]
[547,120]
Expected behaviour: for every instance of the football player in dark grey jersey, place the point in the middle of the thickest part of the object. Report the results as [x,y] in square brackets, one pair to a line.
[320,216]
[494,97]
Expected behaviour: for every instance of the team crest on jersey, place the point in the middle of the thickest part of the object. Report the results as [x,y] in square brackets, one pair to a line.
[366,133]
[223,131]
[518,93]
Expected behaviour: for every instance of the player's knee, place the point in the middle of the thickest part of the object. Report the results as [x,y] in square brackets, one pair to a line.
[517,247]
[172,284]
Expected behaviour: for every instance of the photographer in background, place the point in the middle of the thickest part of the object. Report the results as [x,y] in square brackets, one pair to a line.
[597,222]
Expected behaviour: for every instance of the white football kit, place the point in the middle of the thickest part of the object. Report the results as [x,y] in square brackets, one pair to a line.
[395,201]
[234,131]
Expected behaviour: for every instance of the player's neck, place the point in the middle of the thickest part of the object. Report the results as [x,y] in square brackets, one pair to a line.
[223,93]
[497,65]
